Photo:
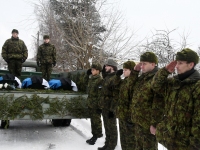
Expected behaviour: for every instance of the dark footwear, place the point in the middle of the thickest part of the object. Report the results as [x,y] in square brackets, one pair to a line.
[101,135]
[92,140]
[102,148]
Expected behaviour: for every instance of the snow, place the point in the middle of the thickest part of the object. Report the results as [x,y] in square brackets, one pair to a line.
[41,135]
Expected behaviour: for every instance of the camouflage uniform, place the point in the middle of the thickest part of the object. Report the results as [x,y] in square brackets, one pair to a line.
[180,130]
[108,103]
[46,56]
[94,86]
[144,99]
[127,128]
[14,52]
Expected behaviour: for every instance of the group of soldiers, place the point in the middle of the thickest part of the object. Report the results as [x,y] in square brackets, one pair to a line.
[14,52]
[153,105]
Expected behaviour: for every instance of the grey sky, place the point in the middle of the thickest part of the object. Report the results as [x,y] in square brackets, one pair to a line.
[141,15]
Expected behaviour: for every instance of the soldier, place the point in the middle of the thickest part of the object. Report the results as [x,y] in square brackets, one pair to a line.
[127,128]
[46,57]
[108,103]
[180,129]
[146,106]
[14,52]
[94,87]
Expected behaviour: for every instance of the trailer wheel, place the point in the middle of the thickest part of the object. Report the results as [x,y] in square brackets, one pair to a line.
[66,122]
[61,122]
[5,124]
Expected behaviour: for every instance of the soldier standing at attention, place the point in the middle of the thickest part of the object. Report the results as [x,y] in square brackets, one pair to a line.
[94,88]
[14,52]
[46,57]
[146,106]
[108,104]
[126,127]
[180,129]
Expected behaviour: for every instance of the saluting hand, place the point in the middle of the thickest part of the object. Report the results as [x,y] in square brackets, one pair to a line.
[138,67]
[171,66]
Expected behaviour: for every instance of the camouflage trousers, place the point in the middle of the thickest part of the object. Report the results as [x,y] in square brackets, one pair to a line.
[127,135]
[110,125]
[15,67]
[144,139]
[46,70]
[96,123]
[172,140]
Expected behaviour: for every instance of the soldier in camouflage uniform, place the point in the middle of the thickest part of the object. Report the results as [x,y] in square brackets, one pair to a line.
[14,52]
[180,129]
[147,106]
[127,128]
[46,57]
[108,103]
[94,87]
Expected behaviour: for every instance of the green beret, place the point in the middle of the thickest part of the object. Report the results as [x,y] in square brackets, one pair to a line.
[187,55]
[149,57]
[97,66]
[129,65]
[15,31]
[46,37]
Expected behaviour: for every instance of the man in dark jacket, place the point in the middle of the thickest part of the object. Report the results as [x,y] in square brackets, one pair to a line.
[14,52]
[108,103]
[46,57]
[180,129]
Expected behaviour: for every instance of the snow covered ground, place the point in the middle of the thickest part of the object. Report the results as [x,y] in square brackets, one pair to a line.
[41,135]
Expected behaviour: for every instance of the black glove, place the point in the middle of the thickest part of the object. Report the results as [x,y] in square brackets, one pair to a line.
[99,111]
[38,64]
[89,72]
[104,71]
[111,114]
[23,60]
[54,64]
[7,60]
[119,72]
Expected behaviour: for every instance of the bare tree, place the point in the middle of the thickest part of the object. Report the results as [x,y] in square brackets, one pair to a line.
[163,46]
[83,34]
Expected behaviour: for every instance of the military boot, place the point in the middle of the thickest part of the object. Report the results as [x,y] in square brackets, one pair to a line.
[102,148]
[92,140]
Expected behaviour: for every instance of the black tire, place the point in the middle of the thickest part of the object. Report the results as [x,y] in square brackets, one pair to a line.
[5,124]
[66,122]
[61,122]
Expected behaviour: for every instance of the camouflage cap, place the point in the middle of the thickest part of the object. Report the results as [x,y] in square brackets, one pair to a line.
[46,37]
[15,31]
[97,66]
[129,65]
[149,57]
[187,55]
[111,62]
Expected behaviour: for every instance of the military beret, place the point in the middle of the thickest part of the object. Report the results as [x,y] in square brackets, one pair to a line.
[46,37]
[129,65]
[187,55]
[149,57]
[15,31]
[111,62]
[97,66]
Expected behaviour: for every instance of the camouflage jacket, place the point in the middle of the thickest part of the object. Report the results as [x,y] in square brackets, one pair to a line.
[14,48]
[94,88]
[147,106]
[46,54]
[182,108]
[125,97]
[110,92]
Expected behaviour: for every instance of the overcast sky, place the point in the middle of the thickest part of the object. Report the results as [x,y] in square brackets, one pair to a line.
[142,15]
